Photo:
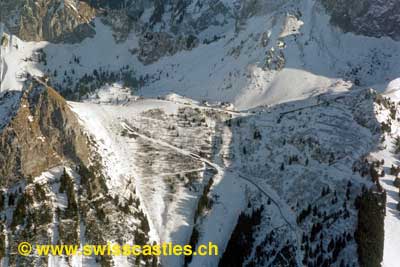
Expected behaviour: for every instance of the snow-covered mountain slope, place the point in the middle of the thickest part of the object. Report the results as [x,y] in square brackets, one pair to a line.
[291,179]
[160,139]
[390,157]
[299,167]
[53,187]
[149,148]
[294,54]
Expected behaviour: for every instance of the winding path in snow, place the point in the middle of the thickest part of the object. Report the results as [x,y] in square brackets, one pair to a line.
[165,144]
[269,193]
[275,199]
[3,65]
[284,211]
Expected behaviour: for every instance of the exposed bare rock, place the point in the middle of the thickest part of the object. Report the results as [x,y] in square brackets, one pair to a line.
[153,46]
[376,18]
[51,20]
[43,133]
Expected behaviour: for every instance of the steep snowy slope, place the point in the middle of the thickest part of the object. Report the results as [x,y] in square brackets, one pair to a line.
[53,185]
[297,167]
[390,157]
[160,139]
[289,53]
[293,173]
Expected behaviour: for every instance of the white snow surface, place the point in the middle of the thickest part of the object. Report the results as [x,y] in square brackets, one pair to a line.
[318,58]
[171,217]
[392,218]
[131,130]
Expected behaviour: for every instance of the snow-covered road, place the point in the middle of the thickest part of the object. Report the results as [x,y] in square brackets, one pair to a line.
[288,216]
[285,212]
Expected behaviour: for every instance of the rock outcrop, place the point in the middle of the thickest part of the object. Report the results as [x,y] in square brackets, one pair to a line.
[375,18]
[52,183]
[43,133]
[51,20]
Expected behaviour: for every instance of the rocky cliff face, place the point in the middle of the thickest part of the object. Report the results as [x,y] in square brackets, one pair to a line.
[375,18]
[51,20]
[53,188]
[167,27]
[69,20]
[43,133]
[172,23]
[283,178]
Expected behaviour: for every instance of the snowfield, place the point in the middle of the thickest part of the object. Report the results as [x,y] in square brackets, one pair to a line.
[314,141]
[392,219]
[171,213]
[289,58]
[263,133]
